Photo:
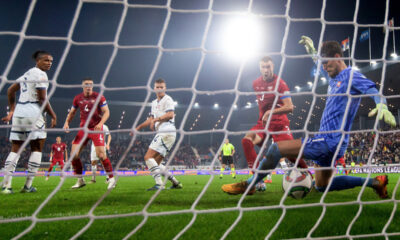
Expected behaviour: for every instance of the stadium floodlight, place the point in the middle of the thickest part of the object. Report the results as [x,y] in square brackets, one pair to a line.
[297,88]
[373,63]
[323,79]
[235,106]
[393,55]
[356,68]
[310,84]
[242,37]
[196,104]
[176,103]
[216,105]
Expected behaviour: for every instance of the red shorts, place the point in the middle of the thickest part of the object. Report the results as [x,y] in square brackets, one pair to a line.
[97,138]
[60,161]
[273,128]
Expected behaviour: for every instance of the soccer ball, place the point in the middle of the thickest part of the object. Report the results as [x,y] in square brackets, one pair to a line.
[261,187]
[300,183]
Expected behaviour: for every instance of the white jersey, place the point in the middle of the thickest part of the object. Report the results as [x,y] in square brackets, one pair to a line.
[28,102]
[159,108]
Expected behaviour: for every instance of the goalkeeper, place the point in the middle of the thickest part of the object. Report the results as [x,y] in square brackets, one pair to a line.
[322,147]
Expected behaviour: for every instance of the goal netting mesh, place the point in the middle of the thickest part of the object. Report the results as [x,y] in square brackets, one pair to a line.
[273,211]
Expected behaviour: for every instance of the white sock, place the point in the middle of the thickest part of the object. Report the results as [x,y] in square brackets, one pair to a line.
[94,169]
[166,174]
[269,177]
[33,166]
[9,168]
[283,165]
[154,170]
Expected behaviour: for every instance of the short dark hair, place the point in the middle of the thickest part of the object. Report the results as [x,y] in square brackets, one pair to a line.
[87,79]
[160,80]
[330,48]
[38,54]
[266,59]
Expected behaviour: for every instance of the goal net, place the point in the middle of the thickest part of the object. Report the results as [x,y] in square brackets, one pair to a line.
[208,52]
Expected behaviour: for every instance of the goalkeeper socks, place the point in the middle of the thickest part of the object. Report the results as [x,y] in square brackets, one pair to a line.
[9,168]
[249,152]
[77,165]
[108,167]
[33,166]
[347,182]
[222,172]
[270,162]
[233,172]
[154,170]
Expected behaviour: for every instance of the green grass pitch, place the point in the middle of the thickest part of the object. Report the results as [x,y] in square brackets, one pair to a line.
[130,196]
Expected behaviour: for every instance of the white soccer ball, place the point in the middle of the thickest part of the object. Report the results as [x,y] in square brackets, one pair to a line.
[299,182]
[261,187]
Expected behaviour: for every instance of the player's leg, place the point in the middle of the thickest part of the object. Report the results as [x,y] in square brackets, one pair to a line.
[248,142]
[10,165]
[101,153]
[223,165]
[53,163]
[233,171]
[164,171]
[77,164]
[33,163]
[154,168]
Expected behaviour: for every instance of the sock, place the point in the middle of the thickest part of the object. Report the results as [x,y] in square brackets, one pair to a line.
[222,171]
[270,162]
[154,170]
[302,163]
[77,165]
[249,152]
[33,166]
[9,168]
[168,175]
[269,176]
[283,164]
[233,172]
[346,182]
[50,169]
[94,169]
[108,167]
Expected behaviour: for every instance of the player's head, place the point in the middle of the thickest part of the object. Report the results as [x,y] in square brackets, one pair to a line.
[159,87]
[87,85]
[58,139]
[267,68]
[226,141]
[43,60]
[332,49]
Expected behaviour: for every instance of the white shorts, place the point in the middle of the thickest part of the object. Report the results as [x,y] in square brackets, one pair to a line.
[162,143]
[93,155]
[22,127]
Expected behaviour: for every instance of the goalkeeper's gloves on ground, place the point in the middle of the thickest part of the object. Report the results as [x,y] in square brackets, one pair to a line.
[308,44]
[384,113]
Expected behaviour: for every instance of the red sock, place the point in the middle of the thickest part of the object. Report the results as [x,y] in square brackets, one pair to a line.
[77,165]
[62,166]
[108,167]
[302,163]
[249,152]
[50,168]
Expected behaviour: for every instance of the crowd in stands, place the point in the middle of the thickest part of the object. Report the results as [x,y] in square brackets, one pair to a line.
[195,155]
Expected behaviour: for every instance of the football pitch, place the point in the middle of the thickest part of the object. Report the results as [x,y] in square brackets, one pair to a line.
[130,197]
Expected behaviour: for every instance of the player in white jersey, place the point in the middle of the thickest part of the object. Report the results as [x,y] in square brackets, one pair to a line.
[162,119]
[93,156]
[28,122]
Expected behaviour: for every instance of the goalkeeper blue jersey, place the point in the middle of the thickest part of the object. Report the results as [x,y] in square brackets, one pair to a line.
[335,108]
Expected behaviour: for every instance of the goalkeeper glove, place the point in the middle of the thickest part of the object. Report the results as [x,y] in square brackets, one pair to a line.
[385,114]
[308,44]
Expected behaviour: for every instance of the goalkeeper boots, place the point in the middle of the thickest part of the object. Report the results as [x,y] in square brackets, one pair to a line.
[6,191]
[176,186]
[380,186]
[80,183]
[238,188]
[28,190]
[156,187]
[111,183]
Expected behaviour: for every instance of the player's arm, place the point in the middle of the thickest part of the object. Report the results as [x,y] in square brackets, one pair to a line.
[310,49]
[105,115]
[11,92]
[286,108]
[51,155]
[108,141]
[66,155]
[166,117]
[233,150]
[146,123]
[42,95]
[69,118]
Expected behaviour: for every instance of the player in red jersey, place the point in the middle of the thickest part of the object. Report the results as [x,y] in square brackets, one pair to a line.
[86,104]
[342,162]
[57,155]
[279,121]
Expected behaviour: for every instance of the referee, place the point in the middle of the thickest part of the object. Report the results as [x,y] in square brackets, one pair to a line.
[227,158]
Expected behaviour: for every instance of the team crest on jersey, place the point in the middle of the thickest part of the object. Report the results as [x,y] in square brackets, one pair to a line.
[58,149]
[269,88]
[338,84]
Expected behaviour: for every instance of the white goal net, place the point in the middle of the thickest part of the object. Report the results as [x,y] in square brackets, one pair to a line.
[208,52]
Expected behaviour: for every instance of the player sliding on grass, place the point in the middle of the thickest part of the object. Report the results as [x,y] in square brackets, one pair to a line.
[162,119]
[322,147]
[86,103]
[28,122]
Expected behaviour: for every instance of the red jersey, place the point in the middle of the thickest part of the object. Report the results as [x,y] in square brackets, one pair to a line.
[86,104]
[266,100]
[58,150]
